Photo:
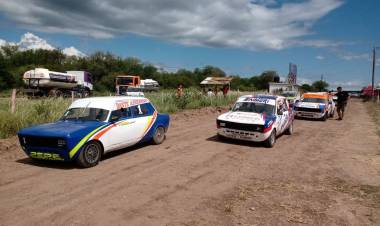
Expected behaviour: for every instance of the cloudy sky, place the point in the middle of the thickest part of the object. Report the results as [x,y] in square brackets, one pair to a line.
[332,38]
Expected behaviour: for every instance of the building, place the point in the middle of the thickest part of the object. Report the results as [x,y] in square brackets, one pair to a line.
[278,87]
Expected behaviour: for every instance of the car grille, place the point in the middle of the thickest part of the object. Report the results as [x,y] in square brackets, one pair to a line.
[307,109]
[240,126]
[36,141]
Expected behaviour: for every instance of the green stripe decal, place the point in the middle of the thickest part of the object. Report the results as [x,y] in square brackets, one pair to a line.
[81,142]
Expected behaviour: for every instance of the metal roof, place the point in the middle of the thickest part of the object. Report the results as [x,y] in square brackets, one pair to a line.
[217,81]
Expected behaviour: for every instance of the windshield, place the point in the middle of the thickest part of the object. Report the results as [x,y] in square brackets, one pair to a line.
[315,100]
[289,94]
[253,107]
[124,81]
[85,114]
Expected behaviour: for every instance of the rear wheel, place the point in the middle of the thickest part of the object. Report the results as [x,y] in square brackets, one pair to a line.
[90,155]
[325,116]
[289,131]
[159,135]
[271,140]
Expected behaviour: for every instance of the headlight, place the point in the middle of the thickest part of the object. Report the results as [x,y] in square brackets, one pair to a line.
[61,143]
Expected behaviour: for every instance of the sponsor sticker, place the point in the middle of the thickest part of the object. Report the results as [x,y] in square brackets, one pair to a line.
[45,155]
[129,103]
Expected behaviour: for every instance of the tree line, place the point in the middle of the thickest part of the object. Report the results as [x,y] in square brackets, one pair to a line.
[105,66]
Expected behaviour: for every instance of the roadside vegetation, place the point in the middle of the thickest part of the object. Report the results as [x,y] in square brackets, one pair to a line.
[374,111]
[35,111]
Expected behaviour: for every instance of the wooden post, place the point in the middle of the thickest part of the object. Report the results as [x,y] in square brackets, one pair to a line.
[13,101]
[72,96]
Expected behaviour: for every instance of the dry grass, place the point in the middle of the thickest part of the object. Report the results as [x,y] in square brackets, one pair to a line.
[374,111]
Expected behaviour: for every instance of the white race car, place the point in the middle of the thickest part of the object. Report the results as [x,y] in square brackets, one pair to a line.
[259,118]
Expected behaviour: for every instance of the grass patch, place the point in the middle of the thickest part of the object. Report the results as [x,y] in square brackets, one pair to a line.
[36,111]
[374,111]
[29,112]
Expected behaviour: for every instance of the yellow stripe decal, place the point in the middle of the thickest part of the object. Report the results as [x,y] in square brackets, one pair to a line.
[81,142]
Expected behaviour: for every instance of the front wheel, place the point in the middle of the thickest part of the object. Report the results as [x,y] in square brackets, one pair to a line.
[159,135]
[269,143]
[90,155]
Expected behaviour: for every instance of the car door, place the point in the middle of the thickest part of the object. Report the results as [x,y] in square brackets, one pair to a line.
[144,117]
[122,126]
[283,114]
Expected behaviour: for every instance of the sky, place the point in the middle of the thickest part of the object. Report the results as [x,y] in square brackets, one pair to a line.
[329,38]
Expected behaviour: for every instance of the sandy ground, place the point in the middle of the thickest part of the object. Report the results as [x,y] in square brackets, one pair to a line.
[326,173]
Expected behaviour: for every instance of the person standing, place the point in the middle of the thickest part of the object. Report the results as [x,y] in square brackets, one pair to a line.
[180,90]
[341,102]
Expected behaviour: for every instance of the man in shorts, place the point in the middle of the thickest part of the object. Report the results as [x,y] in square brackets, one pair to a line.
[341,102]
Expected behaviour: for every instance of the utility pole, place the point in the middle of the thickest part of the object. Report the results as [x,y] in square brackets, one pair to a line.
[373,71]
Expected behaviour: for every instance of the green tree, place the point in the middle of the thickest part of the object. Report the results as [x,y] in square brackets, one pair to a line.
[320,86]
[306,88]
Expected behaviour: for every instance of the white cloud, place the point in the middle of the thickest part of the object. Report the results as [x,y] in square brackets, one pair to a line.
[3,42]
[319,57]
[255,24]
[30,41]
[348,85]
[72,51]
[352,56]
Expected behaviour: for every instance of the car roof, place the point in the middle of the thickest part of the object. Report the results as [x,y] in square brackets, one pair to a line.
[263,96]
[108,103]
[316,95]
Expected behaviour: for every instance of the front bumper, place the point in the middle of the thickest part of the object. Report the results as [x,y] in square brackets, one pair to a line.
[315,115]
[46,153]
[243,135]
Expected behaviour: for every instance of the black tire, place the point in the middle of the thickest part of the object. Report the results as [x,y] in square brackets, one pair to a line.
[269,143]
[332,114]
[159,135]
[221,138]
[289,130]
[90,155]
[325,116]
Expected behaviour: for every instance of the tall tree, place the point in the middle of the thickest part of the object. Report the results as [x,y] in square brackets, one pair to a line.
[320,86]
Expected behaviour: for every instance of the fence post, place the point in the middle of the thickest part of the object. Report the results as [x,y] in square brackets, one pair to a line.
[13,101]
[72,96]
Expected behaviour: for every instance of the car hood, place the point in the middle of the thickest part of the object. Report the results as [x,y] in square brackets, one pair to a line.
[244,117]
[67,128]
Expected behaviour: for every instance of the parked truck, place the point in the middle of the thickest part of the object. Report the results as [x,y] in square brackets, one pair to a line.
[125,84]
[43,82]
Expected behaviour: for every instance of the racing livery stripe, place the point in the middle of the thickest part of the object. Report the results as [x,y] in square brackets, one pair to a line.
[151,121]
[102,132]
[84,139]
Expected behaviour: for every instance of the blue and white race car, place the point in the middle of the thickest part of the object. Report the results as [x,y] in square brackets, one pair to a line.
[259,118]
[93,126]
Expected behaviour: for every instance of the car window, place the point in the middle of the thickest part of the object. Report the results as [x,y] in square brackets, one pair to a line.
[85,114]
[122,113]
[142,110]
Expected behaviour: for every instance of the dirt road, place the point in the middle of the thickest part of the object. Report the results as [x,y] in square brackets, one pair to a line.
[326,173]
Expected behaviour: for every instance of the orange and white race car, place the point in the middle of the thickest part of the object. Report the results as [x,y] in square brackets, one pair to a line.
[319,105]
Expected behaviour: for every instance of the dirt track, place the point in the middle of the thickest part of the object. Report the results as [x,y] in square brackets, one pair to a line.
[326,173]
